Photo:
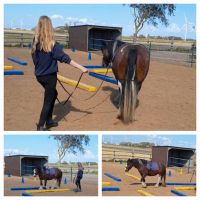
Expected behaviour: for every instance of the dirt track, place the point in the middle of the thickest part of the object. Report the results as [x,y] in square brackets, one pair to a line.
[89,185]
[167,98]
[129,186]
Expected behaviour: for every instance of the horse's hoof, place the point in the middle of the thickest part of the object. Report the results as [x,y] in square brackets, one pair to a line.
[119,117]
[137,103]
[163,185]
[156,186]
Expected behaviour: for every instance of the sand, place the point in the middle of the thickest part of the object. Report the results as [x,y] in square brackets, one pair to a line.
[129,186]
[167,98]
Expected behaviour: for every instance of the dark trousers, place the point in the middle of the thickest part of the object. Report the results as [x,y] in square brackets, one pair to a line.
[78,183]
[50,94]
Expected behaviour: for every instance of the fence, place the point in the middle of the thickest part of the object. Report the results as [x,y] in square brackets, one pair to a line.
[27,170]
[116,153]
[19,38]
[168,52]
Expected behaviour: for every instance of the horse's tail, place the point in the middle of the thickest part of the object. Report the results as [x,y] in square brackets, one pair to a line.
[164,175]
[60,178]
[129,91]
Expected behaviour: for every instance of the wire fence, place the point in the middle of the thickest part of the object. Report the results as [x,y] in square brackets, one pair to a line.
[123,153]
[18,38]
[27,170]
[169,52]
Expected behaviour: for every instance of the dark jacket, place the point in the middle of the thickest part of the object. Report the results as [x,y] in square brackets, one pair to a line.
[80,174]
[46,63]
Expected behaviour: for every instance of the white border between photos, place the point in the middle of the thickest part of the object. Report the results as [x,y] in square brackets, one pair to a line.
[2,2]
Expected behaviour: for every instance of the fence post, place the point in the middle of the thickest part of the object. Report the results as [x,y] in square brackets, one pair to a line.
[22,35]
[192,56]
[149,47]
[189,166]
[71,174]
[172,44]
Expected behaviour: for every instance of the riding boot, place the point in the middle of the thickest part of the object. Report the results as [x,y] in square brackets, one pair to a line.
[51,123]
[40,128]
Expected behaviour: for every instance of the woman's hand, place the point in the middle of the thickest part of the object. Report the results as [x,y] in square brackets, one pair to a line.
[85,70]
[78,66]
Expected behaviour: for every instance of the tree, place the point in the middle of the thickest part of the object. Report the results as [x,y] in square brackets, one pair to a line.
[71,144]
[150,14]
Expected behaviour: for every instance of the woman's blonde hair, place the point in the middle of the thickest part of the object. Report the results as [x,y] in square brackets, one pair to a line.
[80,165]
[44,35]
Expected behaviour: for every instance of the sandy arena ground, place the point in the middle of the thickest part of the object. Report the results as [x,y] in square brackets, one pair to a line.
[167,98]
[129,186]
[89,185]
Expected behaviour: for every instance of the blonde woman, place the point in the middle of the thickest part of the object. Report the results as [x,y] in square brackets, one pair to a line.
[45,54]
[79,176]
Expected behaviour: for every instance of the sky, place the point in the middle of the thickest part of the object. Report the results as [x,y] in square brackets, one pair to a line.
[47,146]
[26,16]
[188,141]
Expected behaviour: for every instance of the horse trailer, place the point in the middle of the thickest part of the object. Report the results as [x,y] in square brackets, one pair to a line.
[91,37]
[23,165]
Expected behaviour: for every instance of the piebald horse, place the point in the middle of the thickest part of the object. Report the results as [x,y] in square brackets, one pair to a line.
[148,168]
[130,65]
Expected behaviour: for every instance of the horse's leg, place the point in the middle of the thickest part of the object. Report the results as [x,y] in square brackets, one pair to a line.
[158,181]
[119,115]
[41,185]
[59,182]
[143,181]
[45,183]
[164,180]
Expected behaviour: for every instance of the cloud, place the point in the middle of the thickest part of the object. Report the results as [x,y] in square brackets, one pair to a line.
[55,16]
[80,21]
[173,28]
[10,152]
[88,156]
[159,140]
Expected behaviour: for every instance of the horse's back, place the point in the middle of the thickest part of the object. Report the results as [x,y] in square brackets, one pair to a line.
[122,58]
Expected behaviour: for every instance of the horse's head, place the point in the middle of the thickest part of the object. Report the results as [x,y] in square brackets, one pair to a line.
[132,163]
[107,55]
[129,165]
[36,171]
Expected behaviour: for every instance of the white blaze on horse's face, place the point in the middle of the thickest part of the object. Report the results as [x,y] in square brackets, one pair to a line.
[34,173]
[125,168]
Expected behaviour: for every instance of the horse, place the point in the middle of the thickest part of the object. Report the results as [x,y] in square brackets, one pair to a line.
[130,66]
[48,174]
[148,168]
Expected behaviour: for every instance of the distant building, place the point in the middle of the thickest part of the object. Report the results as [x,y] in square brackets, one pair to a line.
[91,37]
[172,156]
[23,165]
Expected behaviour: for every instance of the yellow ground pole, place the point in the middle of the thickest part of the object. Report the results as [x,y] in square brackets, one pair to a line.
[185,188]
[8,67]
[144,193]
[101,70]
[105,183]
[132,176]
[71,82]
[51,190]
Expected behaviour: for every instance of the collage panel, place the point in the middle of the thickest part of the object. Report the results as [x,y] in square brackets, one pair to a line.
[151,86]
[51,165]
[149,165]
[114,73]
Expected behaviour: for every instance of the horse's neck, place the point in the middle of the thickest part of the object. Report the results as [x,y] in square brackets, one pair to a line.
[115,46]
